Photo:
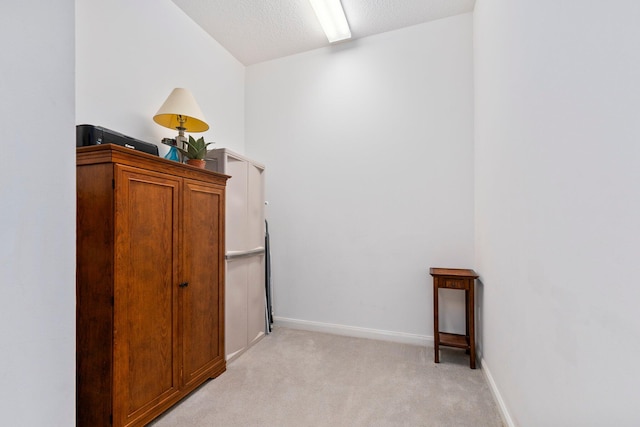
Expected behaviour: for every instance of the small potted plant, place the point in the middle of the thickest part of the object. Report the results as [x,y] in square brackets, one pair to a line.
[196,150]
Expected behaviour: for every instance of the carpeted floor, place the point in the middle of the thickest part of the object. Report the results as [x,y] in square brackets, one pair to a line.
[296,378]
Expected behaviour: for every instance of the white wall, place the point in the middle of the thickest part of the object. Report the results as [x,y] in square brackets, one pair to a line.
[557,207]
[131,54]
[368,147]
[37,249]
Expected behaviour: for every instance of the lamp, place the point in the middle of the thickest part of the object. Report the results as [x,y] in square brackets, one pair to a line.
[180,111]
[332,18]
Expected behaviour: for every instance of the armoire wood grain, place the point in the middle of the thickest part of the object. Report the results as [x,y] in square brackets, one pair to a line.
[150,283]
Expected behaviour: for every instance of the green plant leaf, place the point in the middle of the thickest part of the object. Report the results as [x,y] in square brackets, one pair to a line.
[195,148]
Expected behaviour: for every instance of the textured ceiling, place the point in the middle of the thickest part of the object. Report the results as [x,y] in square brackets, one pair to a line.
[259,30]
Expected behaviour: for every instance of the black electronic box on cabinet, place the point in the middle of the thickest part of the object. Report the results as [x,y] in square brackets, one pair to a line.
[96,135]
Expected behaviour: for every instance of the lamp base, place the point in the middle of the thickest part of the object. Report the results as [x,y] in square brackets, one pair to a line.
[172,154]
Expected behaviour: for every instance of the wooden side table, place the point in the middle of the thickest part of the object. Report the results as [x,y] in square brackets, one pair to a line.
[455,278]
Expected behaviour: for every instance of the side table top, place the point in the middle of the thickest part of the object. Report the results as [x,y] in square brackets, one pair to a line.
[453,272]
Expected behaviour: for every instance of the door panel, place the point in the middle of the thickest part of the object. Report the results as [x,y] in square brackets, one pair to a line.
[255,207]
[236,306]
[237,205]
[202,300]
[145,298]
[256,299]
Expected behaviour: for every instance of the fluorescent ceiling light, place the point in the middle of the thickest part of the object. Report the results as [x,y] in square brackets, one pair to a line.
[332,18]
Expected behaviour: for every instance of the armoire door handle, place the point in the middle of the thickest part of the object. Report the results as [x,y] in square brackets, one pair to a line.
[184,284]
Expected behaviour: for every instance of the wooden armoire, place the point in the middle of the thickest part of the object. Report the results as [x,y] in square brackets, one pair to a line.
[150,283]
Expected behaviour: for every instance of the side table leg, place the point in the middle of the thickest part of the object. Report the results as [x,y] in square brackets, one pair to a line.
[472,328]
[466,318]
[436,326]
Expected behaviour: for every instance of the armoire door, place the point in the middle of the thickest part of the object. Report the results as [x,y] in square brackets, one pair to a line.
[201,296]
[145,301]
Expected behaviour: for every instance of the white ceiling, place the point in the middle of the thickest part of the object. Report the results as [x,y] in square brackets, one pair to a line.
[259,30]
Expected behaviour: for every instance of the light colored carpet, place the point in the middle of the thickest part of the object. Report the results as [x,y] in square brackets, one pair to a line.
[295,378]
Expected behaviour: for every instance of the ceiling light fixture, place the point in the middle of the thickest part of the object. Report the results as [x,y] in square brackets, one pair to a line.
[332,18]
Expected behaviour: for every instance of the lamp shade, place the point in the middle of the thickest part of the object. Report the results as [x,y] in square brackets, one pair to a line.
[181,110]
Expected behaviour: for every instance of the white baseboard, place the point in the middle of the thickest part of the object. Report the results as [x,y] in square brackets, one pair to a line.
[354,331]
[502,407]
